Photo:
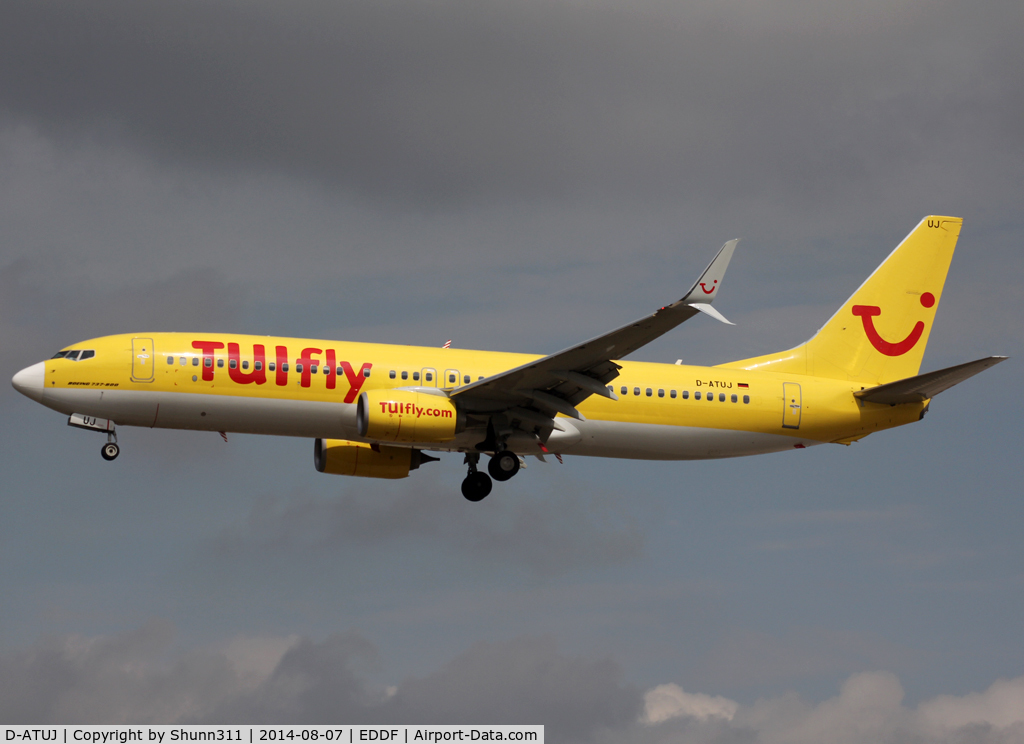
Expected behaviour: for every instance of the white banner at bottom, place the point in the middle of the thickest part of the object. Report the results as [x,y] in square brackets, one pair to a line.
[263,734]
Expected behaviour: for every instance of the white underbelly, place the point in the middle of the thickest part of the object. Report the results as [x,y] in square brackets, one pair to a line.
[332,420]
[204,412]
[664,442]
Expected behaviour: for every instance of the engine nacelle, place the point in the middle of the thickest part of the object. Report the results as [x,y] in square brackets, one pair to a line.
[342,457]
[406,416]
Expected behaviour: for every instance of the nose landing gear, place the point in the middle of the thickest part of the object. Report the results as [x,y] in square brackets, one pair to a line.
[110,450]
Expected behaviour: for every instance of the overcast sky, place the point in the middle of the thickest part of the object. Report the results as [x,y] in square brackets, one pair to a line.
[514,176]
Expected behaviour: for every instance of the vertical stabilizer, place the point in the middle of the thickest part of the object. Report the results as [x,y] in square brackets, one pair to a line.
[880,333]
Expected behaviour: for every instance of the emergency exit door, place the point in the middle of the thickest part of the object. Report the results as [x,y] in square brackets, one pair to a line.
[791,405]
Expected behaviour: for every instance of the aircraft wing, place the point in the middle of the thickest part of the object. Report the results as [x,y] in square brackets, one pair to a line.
[928,385]
[559,382]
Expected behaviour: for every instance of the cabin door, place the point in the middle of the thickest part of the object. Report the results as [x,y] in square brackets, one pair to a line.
[143,360]
[791,405]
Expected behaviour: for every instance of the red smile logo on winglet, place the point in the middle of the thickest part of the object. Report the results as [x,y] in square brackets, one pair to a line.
[706,290]
[889,348]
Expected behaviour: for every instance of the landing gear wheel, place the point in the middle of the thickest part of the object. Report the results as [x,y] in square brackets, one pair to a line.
[476,486]
[503,465]
[110,451]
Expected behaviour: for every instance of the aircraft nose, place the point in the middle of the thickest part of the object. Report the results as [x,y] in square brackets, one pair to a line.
[30,381]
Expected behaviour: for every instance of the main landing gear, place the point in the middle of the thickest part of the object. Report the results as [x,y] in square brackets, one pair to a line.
[502,466]
[477,485]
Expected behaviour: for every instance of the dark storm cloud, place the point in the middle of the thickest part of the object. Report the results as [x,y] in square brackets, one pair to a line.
[467,100]
[546,535]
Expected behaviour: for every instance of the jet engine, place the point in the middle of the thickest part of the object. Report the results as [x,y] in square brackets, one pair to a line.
[407,416]
[342,457]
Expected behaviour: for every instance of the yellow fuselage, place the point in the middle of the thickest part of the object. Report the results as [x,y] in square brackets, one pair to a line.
[309,387]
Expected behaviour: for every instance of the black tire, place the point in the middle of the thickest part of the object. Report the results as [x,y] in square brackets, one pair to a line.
[503,465]
[476,486]
[110,451]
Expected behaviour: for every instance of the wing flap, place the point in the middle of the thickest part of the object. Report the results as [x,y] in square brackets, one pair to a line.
[928,385]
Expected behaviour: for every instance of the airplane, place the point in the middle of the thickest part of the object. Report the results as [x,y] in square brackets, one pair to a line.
[376,410]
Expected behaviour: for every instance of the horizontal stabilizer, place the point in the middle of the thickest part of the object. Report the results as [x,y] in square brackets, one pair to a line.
[922,387]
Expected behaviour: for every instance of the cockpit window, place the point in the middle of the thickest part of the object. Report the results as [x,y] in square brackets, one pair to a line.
[75,355]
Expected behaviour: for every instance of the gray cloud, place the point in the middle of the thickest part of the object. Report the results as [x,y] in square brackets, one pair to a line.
[131,678]
[545,534]
[128,679]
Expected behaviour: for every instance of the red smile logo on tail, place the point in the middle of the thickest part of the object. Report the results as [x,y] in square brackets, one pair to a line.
[899,348]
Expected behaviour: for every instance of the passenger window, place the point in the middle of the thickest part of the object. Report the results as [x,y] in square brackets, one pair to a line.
[339,371]
[636,391]
[298,368]
[661,393]
[366,372]
[170,360]
[480,377]
[87,354]
[623,390]
[428,376]
[696,396]
[649,392]
[327,370]
[313,369]
[220,363]
[284,367]
[416,376]
[272,366]
[746,398]
[721,397]
[245,364]
[405,375]
[207,362]
[233,363]
[672,393]
[710,397]
[734,398]
[452,378]
[686,394]
[257,365]
[184,361]
[195,361]
[466,379]
[392,374]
